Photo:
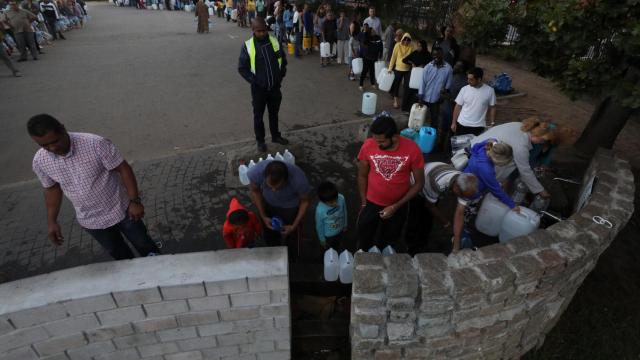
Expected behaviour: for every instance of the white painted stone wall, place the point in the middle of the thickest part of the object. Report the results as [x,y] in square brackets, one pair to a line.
[229,304]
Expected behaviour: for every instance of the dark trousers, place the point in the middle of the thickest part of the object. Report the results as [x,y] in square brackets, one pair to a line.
[7,60]
[135,231]
[26,40]
[50,21]
[334,242]
[369,220]
[269,99]
[401,77]
[409,97]
[298,44]
[368,66]
[275,238]
[419,223]
[434,114]
[464,130]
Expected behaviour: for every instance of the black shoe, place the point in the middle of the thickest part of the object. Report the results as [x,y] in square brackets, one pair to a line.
[280,140]
[262,147]
[21,60]
[41,52]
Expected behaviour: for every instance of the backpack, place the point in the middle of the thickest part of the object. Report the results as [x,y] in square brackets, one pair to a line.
[502,83]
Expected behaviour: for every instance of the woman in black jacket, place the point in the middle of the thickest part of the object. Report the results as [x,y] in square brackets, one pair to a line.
[371,51]
[449,45]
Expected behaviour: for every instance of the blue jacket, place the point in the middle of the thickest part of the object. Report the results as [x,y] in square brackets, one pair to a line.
[287,17]
[482,167]
[331,221]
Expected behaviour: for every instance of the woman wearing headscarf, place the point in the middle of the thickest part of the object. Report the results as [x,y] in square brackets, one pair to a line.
[202,13]
[401,70]
[418,58]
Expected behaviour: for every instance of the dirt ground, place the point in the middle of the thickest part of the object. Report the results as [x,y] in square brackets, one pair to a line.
[603,320]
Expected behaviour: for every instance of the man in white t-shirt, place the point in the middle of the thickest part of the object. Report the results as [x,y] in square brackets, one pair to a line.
[440,178]
[474,103]
[374,22]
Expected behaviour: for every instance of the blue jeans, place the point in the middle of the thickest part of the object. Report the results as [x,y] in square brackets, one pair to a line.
[112,241]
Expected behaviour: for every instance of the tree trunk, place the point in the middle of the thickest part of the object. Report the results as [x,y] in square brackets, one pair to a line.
[607,120]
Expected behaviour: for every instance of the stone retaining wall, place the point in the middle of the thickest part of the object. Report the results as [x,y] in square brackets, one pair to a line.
[497,302]
[229,304]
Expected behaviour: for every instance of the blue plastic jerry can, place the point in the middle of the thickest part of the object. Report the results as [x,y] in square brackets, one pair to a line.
[410,134]
[427,139]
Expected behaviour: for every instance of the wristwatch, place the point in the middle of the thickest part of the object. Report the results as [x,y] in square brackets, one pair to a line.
[136,200]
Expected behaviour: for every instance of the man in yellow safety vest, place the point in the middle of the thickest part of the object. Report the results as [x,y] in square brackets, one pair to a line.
[263,64]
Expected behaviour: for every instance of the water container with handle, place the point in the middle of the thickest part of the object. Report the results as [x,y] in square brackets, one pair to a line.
[291,48]
[378,66]
[427,139]
[251,164]
[416,77]
[385,80]
[356,66]
[288,157]
[270,157]
[540,203]
[325,49]
[388,251]
[374,249]
[279,156]
[331,265]
[369,103]
[520,192]
[234,14]
[518,224]
[490,216]
[242,172]
[460,142]
[210,12]
[410,134]
[417,116]
[346,267]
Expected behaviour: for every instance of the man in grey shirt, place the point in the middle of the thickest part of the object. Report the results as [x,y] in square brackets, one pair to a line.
[279,189]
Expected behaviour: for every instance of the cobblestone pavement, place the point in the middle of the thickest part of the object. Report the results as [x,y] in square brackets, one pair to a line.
[185,196]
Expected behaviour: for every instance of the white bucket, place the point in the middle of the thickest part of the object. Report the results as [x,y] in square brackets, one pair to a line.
[356,66]
[379,65]
[490,215]
[385,80]
[369,103]
[417,116]
[514,224]
[416,77]
[325,49]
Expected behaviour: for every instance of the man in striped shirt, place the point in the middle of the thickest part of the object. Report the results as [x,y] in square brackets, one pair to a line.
[90,171]
[51,15]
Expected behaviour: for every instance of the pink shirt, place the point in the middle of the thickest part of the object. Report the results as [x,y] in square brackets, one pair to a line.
[87,179]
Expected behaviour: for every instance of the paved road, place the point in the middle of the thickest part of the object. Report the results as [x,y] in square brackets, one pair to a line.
[149,82]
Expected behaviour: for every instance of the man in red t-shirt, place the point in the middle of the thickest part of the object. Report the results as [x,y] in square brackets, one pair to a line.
[385,163]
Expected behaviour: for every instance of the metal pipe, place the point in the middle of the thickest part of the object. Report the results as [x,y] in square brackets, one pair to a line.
[571,181]
[557,218]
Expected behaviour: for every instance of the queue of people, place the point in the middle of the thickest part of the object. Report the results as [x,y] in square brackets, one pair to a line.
[27,26]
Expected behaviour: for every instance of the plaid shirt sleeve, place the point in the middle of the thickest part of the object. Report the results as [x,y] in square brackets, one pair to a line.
[108,154]
[45,180]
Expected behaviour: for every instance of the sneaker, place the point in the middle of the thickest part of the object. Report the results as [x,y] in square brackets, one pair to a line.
[262,147]
[280,140]
[21,60]
[152,254]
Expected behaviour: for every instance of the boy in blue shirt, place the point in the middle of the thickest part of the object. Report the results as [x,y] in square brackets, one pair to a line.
[331,215]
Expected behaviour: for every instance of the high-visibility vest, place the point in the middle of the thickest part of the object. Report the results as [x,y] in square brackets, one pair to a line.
[251,49]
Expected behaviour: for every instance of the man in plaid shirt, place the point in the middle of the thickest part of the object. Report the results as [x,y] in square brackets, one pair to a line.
[100,184]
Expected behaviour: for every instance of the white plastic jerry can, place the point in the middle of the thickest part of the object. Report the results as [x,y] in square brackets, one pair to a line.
[417,116]
[289,157]
[325,49]
[346,267]
[270,157]
[490,215]
[416,77]
[388,251]
[242,171]
[279,156]
[374,249]
[369,100]
[518,224]
[251,164]
[385,80]
[356,66]
[331,265]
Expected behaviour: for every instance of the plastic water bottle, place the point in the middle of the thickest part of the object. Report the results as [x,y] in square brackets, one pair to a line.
[387,251]
[346,267]
[279,156]
[288,157]
[520,192]
[251,164]
[374,249]
[242,171]
[269,157]
[331,265]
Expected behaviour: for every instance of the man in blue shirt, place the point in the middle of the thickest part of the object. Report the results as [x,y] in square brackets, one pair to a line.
[436,79]
[280,189]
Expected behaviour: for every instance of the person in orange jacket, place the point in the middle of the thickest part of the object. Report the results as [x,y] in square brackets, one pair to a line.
[241,228]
